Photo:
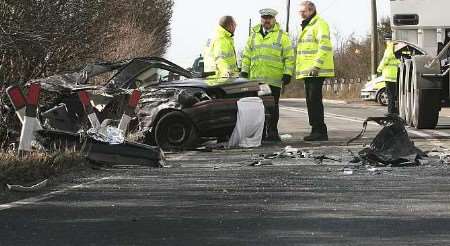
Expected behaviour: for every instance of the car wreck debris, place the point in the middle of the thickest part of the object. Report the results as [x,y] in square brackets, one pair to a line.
[292,153]
[391,146]
[158,102]
[33,188]
[98,150]
[127,152]
[110,135]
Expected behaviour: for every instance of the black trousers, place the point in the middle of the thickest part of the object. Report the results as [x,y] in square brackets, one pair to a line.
[273,125]
[391,91]
[313,90]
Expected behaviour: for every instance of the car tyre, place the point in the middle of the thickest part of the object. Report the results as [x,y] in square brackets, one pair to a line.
[174,131]
[382,97]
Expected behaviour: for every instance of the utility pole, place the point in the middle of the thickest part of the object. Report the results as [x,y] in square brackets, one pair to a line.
[288,14]
[374,49]
[250,27]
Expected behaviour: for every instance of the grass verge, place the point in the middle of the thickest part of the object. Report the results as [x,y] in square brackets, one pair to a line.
[37,166]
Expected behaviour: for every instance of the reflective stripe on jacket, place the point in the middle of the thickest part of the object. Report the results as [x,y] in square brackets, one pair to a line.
[221,55]
[314,49]
[268,58]
[389,65]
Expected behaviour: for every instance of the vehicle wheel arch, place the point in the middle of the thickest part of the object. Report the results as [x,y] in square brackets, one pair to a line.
[379,93]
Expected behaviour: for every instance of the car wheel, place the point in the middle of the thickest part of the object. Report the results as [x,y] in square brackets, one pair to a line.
[382,97]
[175,131]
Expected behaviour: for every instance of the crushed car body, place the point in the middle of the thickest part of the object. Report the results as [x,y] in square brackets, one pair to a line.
[178,109]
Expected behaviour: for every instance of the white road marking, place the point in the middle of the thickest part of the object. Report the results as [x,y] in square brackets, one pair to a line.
[36,199]
[442,134]
[330,115]
[361,120]
[418,133]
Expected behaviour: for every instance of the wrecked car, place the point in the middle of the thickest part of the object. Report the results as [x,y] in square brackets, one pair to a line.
[178,109]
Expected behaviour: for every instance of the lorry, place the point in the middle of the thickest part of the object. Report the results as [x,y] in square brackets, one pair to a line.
[423,78]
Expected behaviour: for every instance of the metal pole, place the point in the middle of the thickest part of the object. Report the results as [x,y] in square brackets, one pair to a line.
[374,49]
[250,27]
[288,14]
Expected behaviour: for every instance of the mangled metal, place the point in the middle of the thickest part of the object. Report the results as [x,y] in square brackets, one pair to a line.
[167,91]
[108,134]
[295,154]
[96,148]
[391,146]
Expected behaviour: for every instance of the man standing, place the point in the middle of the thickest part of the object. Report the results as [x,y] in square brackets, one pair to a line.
[389,68]
[220,54]
[269,57]
[314,64]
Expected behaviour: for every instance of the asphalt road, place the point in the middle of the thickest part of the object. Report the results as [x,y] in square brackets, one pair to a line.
[216,198]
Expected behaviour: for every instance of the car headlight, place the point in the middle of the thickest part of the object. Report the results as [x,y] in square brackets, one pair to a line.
[264,90]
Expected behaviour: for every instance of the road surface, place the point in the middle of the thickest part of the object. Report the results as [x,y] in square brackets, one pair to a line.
[216,198]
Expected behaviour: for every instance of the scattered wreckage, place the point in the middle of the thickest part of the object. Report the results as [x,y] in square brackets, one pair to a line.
[175,108]
[390,148]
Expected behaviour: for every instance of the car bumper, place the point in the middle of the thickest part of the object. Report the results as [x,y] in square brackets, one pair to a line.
[369,95]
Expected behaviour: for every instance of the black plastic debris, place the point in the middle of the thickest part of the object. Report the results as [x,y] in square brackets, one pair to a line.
[102,152]
[392,145]
[116,154]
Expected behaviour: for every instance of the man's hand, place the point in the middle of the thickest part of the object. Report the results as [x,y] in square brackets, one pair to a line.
[244,75]
[314,72]
[286,79]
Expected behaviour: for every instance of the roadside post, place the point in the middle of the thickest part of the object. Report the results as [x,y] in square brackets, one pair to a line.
[129,111]
[86,102]
[18,101]
[26,110]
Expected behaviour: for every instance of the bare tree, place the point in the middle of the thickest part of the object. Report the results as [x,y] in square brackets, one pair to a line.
[39,38]
[42,37]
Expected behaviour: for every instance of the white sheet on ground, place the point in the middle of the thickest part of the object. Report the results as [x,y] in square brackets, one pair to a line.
[250,123]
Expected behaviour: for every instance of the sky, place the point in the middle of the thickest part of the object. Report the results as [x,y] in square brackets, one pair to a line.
[194,21]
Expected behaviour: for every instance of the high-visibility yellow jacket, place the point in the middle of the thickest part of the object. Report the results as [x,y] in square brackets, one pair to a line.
[220,55]
[389,65]
[314,49]
[268,58]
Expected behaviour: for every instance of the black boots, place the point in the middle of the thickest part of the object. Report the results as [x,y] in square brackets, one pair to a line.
[317,134]
[273,136]
[316,137]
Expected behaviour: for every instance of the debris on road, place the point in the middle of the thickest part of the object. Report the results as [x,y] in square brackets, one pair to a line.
[116,154]
[348,171]
[263,162]
[99,151]
[292,153]
[392,145]
[443,154]
[32,188]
